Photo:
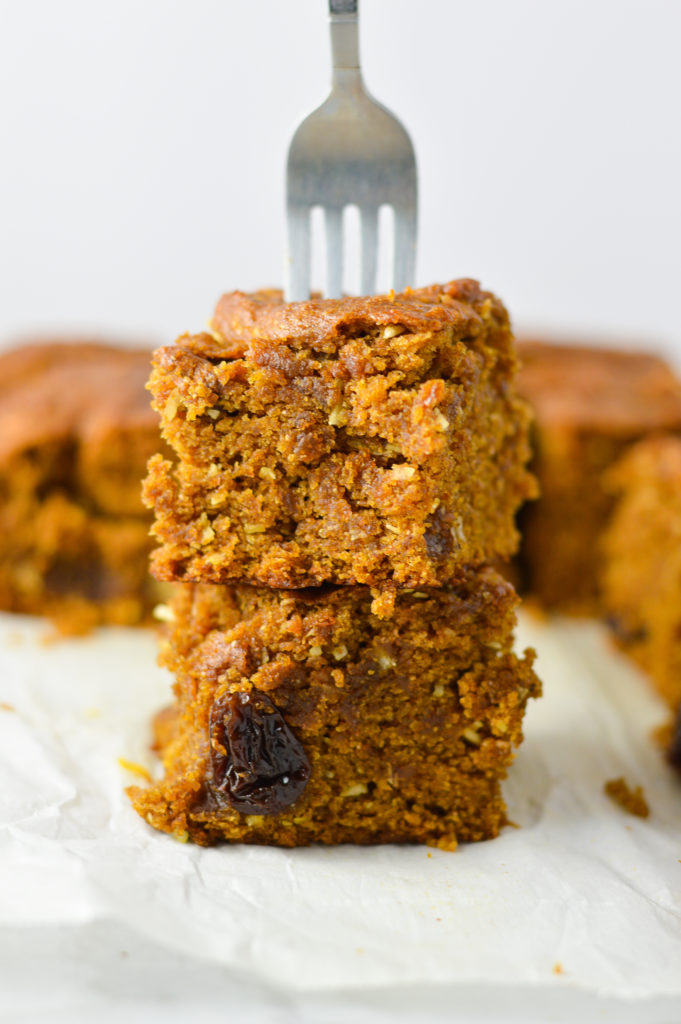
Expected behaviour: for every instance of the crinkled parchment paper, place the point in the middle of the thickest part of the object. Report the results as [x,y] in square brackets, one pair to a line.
[580,895]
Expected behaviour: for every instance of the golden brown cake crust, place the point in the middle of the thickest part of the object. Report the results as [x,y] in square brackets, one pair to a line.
[408,724]
[376,440]
[320,323]
[590,405]
[76,431]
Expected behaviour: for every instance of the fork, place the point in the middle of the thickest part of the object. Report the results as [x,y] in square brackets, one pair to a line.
[350,151]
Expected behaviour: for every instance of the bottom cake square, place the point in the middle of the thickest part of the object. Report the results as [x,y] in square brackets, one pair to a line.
[300,717]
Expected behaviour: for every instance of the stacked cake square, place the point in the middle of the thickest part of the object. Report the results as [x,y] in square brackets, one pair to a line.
[345,474]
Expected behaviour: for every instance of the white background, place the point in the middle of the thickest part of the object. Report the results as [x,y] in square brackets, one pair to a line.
[143,145]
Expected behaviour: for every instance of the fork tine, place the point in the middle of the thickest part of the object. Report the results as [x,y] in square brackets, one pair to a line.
[333,225]
[299,258]
[405,247]
[369,215]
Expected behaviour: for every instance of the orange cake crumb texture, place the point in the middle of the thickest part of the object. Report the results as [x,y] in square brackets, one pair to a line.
[375,441]
[373,730]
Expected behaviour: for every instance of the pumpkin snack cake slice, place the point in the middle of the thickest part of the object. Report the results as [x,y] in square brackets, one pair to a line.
[302,717]
[641,574]
[376,441]
[590,406]
[76,432]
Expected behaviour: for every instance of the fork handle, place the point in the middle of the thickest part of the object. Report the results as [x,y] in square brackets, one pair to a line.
[344,35]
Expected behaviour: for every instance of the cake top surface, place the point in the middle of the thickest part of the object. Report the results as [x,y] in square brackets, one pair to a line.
[601,389]
[323,323]
[51,390]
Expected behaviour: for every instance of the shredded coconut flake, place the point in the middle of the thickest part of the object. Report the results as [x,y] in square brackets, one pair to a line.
[471,734]
[392,331]
[359,789]
[402,472]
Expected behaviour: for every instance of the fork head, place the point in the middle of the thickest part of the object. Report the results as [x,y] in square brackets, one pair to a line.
[350,151]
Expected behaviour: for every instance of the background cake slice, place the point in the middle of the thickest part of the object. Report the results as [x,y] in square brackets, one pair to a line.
[590,405]
[76,431]
[641,575]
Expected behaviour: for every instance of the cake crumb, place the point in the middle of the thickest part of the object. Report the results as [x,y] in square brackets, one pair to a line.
[135,768]
[558,968]
[630,800]
[4,706]
[661,735]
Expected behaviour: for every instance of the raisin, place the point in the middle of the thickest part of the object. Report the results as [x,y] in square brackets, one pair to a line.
[259,766]
[438,536]
[674,752]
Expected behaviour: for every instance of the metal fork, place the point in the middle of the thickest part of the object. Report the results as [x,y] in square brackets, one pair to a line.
[349,151]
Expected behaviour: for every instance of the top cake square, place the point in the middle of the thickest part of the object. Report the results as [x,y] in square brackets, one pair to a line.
[363,440]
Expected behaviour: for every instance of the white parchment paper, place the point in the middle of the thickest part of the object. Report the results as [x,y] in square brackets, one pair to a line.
[580,894]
